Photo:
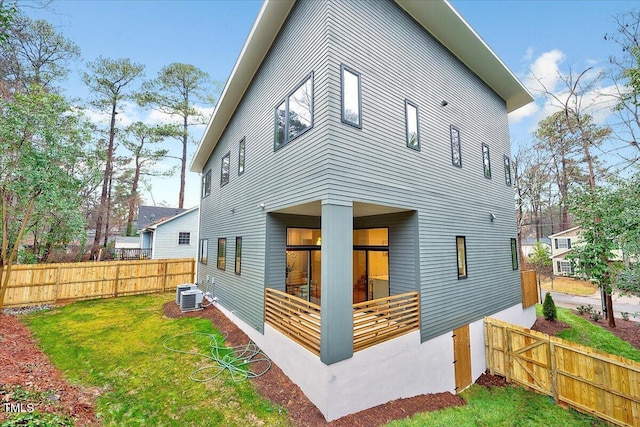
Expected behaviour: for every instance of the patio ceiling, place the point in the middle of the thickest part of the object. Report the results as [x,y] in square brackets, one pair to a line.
[359,209]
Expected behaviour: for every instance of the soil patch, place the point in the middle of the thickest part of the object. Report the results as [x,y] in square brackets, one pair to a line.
[279,389]
[28,378]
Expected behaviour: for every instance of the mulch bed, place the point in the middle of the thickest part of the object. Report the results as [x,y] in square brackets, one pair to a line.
[26,368]
[24,365]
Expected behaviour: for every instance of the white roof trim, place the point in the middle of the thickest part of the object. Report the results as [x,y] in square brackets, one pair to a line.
[436,16]
[563,232]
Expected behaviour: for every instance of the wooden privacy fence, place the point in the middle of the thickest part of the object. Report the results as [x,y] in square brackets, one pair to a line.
[529,283]
[588,380]
[55,283]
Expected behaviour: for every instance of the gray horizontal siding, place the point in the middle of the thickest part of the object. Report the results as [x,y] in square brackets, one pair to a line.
[165,244]
[398,60]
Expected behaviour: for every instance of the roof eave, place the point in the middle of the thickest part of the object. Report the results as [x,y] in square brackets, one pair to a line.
[267,26]
[450,29]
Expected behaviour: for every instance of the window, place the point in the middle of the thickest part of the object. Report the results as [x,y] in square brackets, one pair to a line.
[565,267]
[304,237]
[563,243]
[224,169]
[486,162]
[222,253]
[294,115]
[241,157]
[514,254]
[461,249]
[351,104]
[238,254]
[413,132]
[184,238]
[204,251]
[507,171]
[206,184]
[456,152]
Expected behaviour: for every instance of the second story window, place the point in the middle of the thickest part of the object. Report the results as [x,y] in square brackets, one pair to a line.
[206,184]
[294,115]
[563,243]
[507,171]
[486,162]
[461,251]
[241,157]
[351,102]
[224,169]
[456,150]
[413,132]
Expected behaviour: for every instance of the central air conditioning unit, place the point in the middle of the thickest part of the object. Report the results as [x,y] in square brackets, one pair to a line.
[182,288]
[191,300]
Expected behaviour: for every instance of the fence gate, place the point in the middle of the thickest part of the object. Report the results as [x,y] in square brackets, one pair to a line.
[462,357]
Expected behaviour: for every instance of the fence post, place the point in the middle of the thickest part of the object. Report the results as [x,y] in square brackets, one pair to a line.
[115,290]
[489,347]
[165,269]
[193,270]
[56,286]
[507,353]
[553,370]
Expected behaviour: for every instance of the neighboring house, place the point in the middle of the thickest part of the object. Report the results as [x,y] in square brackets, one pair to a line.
[150,214]
[174,237]
[359,156]
[562,245]
[529,244]
[124,242]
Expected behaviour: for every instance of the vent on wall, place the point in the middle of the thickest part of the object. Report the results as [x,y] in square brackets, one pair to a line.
[182,288]
[191,300]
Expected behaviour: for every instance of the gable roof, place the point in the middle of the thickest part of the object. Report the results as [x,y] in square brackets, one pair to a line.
[438,17]
[569,231]
[163,221]
[150,214]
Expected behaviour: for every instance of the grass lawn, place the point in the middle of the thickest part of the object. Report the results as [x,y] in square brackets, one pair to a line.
[586,333]
[502,407]
[116,345]
[568,285]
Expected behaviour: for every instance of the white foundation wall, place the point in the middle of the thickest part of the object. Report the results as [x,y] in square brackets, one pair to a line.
[395,369]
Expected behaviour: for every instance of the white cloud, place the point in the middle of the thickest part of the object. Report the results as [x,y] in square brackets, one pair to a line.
[544,72]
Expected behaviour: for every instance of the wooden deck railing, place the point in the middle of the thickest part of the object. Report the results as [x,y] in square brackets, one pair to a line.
[374,321]
[383,319]
[294,317]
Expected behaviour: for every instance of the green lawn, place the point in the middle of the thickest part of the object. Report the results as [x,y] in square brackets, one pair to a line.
[502,407]
[117,346]
[586,333]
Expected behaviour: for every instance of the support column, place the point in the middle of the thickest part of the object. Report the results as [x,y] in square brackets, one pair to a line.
[336,341]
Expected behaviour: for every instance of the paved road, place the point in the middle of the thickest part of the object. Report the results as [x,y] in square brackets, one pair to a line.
[620,303]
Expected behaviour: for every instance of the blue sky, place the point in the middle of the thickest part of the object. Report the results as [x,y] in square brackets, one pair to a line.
[547,36]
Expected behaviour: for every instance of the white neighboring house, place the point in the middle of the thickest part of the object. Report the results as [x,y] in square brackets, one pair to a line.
[529,244]
[562,245]
[173,237]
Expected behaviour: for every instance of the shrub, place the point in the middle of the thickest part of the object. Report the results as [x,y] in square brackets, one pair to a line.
[625,315]
[596,316]
[549,308]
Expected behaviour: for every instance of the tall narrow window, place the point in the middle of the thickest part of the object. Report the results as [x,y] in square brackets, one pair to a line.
[238,254]
[413,132]
[351,103]
[507,170]
[224,169]
[241,156]
[294,115]
[461,249]
[206,184]
[204,251]
[222,253]
[514,254]
[456,151]
[486,162]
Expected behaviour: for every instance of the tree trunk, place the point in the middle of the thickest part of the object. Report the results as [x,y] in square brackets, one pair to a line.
[133,197]
[105,184]
[183,170]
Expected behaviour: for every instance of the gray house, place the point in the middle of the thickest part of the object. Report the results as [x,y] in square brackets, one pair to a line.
[357,202]
[172,237]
